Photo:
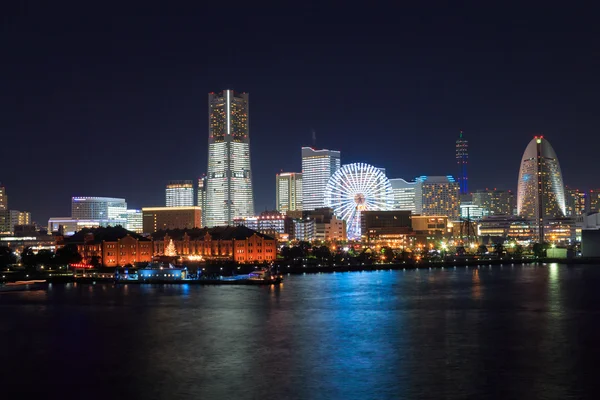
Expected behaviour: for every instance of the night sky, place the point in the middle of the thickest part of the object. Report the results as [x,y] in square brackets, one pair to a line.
[113,101]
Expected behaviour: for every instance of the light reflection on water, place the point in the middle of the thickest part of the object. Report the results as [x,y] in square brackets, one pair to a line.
[520,332]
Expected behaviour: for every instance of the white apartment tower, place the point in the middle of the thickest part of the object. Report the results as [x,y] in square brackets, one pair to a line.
[318,165]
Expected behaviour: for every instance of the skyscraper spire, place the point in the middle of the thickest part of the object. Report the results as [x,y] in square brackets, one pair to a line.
[462,159]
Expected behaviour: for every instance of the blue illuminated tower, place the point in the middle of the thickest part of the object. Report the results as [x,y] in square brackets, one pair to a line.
[462,159]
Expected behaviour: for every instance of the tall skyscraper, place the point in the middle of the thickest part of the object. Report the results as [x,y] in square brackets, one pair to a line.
[179,194]
[541,192]
[437,195]
[229,179]
[575,201]
[495,201]
[288,191]
[3,199]
[318,165]
[202,196]
[462,159]
[404,195]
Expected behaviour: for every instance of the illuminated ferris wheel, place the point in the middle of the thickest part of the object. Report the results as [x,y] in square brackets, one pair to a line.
[358,187]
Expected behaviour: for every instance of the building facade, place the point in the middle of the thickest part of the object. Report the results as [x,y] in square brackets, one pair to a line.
[404,195]
[229,180]
[111,246]
[462,159]
[318,165]
[10,218]
[3,199]
[288,191]
[575,202]
[239,244]
[541,193]
[495,201]
[594,200]
[135,221]
[179,194]
[101,208]
[389,228]
[437,195]
[201,202]
[155,219]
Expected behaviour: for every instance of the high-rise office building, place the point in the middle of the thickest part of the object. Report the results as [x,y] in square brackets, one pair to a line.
[10,218]
[404,195]
[541,192]
[3,198]
[98,208]
[179,194]
[288,191]
[495,201]
[462,159]
[437,195]
[229,179]
[134,221]
[594,200]
[575,202]
[318,165]
[201,202]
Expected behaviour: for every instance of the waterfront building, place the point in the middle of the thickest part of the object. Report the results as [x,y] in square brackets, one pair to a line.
[560,231]
[134,221]
[437,195]
[541,193]
[431,224]
[111,246]
[288,191]
[3,199]
[495,201]
[462,159]
[404,195]
[575,202]
[160,218]
[506,226]
[36,241]
[389,228]
[590,243]
[230,243]
[179,194]
[318,166]
[10,218]
[100,208]
[229,180]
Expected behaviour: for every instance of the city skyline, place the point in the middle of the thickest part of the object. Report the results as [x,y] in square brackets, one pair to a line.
[501,82]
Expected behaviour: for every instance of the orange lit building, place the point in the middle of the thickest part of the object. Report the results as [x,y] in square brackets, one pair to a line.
[231,243]
[111,246]
[155,219]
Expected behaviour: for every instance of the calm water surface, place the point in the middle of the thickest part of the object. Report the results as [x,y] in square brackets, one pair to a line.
[522,332]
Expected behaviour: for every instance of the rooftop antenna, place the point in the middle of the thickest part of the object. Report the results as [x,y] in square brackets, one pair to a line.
[314,138]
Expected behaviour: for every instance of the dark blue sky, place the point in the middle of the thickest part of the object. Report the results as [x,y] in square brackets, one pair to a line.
[113,101]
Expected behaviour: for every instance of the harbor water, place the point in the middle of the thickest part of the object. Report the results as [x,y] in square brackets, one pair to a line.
[501,332]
